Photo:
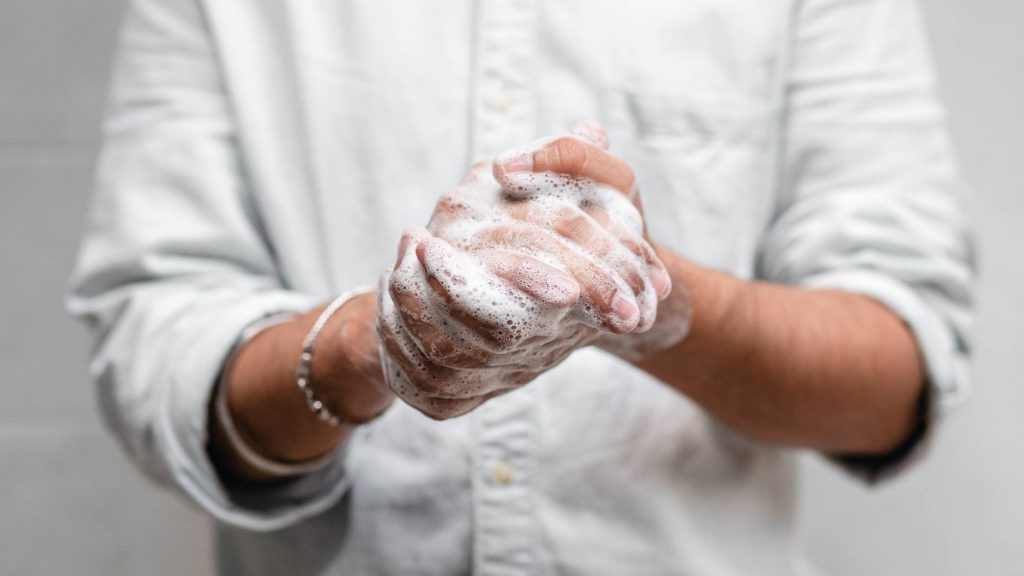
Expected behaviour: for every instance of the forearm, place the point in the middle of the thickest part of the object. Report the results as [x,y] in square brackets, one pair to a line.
[826,370]
[268,408]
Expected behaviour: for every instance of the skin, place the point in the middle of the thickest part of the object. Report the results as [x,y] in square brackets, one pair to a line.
[611,284]
[820,369]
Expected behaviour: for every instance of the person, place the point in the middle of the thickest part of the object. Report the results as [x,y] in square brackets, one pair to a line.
[763,246]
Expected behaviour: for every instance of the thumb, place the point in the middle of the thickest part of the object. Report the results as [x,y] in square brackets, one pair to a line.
[571,155]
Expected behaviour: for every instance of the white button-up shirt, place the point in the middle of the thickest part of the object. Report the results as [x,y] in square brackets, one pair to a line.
[264,155]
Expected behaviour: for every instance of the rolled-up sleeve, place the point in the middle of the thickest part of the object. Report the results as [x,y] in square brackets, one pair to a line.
[174,265]
[870,198]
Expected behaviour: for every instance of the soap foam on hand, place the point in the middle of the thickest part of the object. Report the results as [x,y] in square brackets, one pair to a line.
[482,302]
[480,204]
[415,370]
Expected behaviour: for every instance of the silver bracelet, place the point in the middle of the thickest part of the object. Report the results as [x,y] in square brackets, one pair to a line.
[254,459]
[306,361]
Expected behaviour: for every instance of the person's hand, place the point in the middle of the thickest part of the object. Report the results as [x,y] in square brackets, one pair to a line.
[572,157]
[507,282]
[459,325]
[458,328]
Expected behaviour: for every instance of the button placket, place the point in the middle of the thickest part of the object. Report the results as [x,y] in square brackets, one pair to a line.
[503,505]
[502,108]
[504,521]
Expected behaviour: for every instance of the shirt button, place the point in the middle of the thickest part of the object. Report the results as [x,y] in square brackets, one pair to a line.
[503,473]
[501,102]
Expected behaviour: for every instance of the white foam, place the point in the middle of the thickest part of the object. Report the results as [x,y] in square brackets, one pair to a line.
[530,334]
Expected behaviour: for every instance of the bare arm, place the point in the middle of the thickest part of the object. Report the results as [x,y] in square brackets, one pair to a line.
[827,370]
[270,411]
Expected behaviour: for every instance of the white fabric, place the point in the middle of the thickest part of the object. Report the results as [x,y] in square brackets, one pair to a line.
[263,156]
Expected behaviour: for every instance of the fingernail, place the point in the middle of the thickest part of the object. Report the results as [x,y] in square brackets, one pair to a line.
[515,161]
[624,308]
[661,280]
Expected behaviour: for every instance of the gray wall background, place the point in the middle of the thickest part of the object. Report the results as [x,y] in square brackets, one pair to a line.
[71,503]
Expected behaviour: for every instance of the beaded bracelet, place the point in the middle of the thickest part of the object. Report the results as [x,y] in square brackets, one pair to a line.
[306,361]
[240,446]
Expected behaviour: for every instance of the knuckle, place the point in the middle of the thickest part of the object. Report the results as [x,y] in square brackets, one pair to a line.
[573,222]
[523,267]
[504,341]
[443,351]
[398,289]
[597,213]
[495,341]
[634,247]
[602,292]
[427,385]
[439,289]
[570,155]
[627,172]
[635,280]
[434,349]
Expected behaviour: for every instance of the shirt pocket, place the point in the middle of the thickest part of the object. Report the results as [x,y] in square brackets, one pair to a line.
[704,164]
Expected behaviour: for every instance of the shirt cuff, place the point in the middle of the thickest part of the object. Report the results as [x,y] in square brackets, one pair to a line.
[945,362]
[182,430]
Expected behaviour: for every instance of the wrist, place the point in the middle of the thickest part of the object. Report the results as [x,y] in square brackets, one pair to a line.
[716,300]
[347,367]
[268,407]
[674,321]
[703,303]
[718,305]
[264,402]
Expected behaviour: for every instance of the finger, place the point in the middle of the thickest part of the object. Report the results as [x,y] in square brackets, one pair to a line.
[423,384]
[413,374]
[569,156]
[423,313]
[639,247]
[623,256]
[581,229]
[399,347]
[608,301]
[497,313]
[545,283]
[474,198]
[438,339]
[462,318]
[633,253]
[571,227]
[465,199]
[659,273]
[431,406]
[447,408]
[410,238]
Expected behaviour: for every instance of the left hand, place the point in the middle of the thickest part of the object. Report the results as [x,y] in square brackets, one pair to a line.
[584,156]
